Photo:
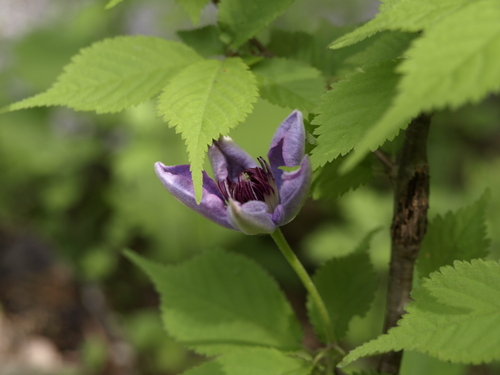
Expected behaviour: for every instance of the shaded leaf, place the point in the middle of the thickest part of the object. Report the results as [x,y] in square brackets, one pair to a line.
[242,19]
[329,183]
[347,286]
[289,83]
[205,40]
[458,235]
[220,301]
[193,8]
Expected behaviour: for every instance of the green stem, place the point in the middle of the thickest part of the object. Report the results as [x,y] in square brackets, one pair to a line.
[299,269]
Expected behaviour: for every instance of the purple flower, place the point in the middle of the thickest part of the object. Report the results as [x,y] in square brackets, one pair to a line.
[245,196]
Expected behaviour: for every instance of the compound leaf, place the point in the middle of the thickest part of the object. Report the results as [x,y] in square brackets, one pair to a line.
[114,74]
[288,83]
[458,235]
[455,317]
[205,101]
[218,301]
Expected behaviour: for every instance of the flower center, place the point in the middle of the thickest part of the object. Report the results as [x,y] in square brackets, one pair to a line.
[253,184]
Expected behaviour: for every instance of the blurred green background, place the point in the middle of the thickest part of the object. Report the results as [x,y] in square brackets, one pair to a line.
[77,188]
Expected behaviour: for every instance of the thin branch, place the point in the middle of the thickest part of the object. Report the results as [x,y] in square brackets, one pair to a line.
[385,160]
[411,200]
[263,51]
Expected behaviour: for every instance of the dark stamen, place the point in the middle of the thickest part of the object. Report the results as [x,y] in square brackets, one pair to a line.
[252,184]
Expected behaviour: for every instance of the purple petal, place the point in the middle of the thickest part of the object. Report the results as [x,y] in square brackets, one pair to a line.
[294,189]
[288,145]
[228,159]
[251,217]
[177,180]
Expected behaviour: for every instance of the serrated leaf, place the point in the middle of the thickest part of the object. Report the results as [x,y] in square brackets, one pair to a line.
[302,46]
[347,286]
[288,83]
[455,317]
[205,101]
[112,3]
[405,15]
[220,301]
[205,40]
[115,74]
[350,109]
[454,62]
[193,8]
[260,361]
[242,19]
[387,45]
[456,236]
[329,183]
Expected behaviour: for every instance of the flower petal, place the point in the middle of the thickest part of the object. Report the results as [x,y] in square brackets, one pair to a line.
[294,189]
[177,180]
[228,159]
[288,145]
[251,217]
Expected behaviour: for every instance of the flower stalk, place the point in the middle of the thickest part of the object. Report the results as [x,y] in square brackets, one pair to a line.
[301,272]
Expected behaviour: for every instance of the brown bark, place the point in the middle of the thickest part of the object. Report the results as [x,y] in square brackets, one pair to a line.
[411,200]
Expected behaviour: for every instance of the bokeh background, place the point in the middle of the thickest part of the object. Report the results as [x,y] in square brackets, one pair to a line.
[77,188]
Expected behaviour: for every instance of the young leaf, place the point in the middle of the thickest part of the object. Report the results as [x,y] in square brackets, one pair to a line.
[243,19]
[193,8]
[454,62]
[350,109]
[348,286]
[205,40]
[455,317]
[289,83]
[220,301]
[204,101]
[268,361]
[329,183]
[115,74]
[456,236]
[410,16]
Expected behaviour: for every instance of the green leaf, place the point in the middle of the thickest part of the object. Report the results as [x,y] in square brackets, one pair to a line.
[405,15]
[329,183]
[220,301]
[259,361]
[205,40]
[115,74]
[207,368]
[350,109]
[455,317]
[112,3]
[193,8]
[242,19]
[288,83]
[456,236]
[384,46]
[205,101]
[347,286]
[454,62]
